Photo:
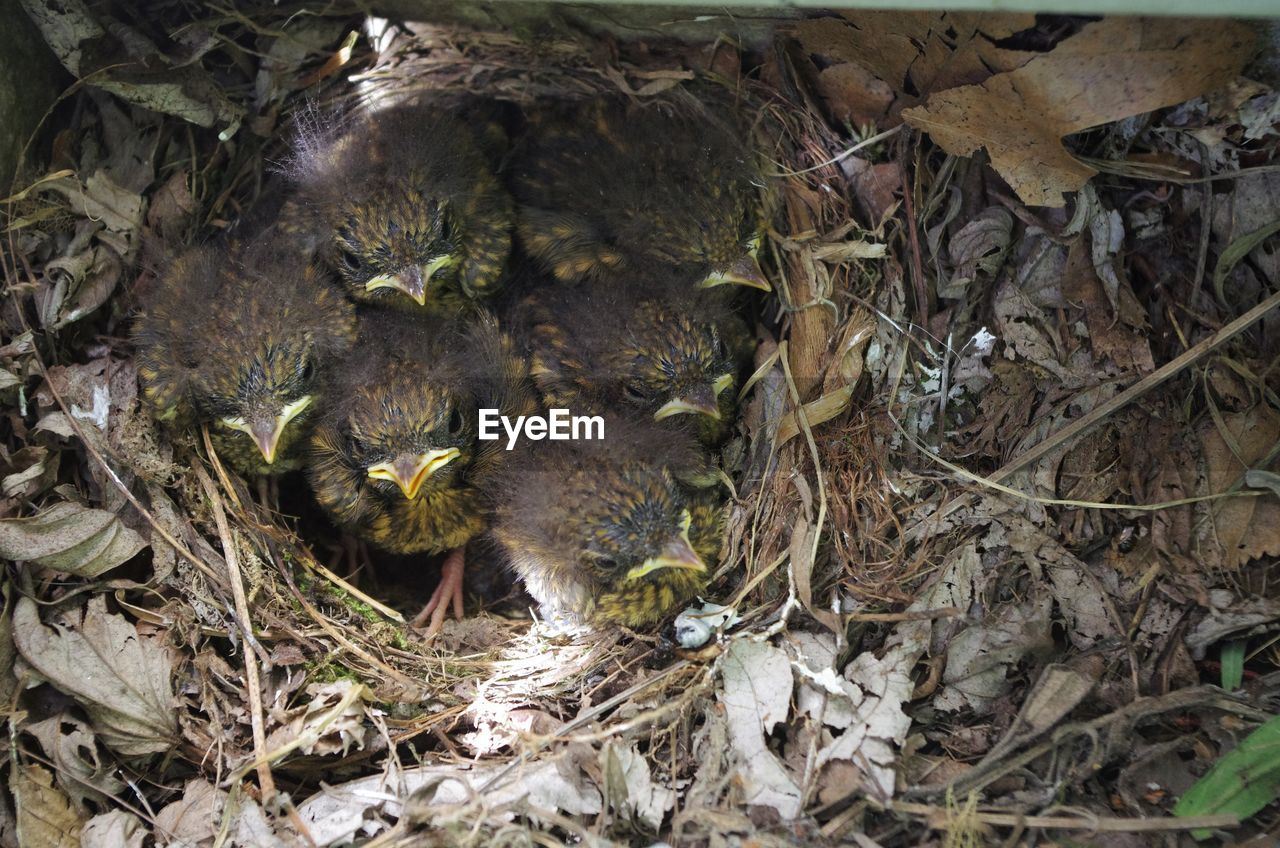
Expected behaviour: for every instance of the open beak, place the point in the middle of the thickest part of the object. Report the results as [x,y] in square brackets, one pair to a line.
[701,400]
[266,432]
[678,553]
[410,470]
[744,272]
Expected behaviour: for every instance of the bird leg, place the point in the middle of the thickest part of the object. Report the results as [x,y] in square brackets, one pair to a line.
[450,589]
[353,553]
[269,493]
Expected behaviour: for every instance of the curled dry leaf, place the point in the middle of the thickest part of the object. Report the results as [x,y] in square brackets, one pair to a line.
[72,538]
[978,246]
[1110,70]
[82,44]
[69,744]
[120,679]
[25,474]
[314,728]
[756,695]
[633,793]
[99,198]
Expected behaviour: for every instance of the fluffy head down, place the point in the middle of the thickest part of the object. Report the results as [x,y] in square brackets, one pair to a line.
[653,347]
[238,340]
[405,204]
[603,529]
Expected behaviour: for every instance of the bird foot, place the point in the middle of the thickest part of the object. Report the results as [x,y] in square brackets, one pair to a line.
[449,590]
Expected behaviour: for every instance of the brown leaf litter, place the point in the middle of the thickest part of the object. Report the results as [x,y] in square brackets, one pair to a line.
[1005,487]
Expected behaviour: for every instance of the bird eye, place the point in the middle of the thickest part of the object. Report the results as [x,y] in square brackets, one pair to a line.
[634,393]
[307,372]
[349,260]
[606,563]
[455,423]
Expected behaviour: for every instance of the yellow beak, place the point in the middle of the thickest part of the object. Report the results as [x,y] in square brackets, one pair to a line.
[744,272]
[266,432]
[409,281]
[678,553]
[445,260]
[410,470]
[699,401]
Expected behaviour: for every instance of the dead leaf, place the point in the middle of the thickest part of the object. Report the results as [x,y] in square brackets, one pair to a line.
[45,816]
[120,679]
[439,794]
[172,205]
[979,658]
[863,707]
[69,744]
[756,695]
[116,829]
[319,732]
[1111,337]
[72,538]
[8,652]
[1244,528]
[915,53]
[26,474]
[634,794]
[1110,70]
[100,199]
[193,819]
[978,246]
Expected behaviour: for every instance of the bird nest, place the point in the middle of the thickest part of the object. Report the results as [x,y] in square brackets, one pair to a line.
[237,651]
[242,593]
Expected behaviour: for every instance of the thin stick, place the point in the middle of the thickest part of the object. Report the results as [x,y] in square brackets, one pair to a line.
[377,605]
[1129,395]
[843,154]
[253,682]
[1098,824]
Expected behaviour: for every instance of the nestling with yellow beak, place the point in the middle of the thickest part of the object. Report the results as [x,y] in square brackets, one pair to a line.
[667,187]
[602,531]
[237,339]
[404,205]
[396,460]
[656,347]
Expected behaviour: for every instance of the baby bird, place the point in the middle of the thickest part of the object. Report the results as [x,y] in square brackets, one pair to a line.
[662,188]
[659,348]
[601,531]
[396,459]
[404,205]
[236,339]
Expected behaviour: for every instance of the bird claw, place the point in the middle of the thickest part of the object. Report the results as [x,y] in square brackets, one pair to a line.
[448,591]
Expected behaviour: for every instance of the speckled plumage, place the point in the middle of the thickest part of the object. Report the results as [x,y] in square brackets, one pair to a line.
[230,337]
[580,520]
[406,201]
[411,387]
[658,188]
[651,346]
